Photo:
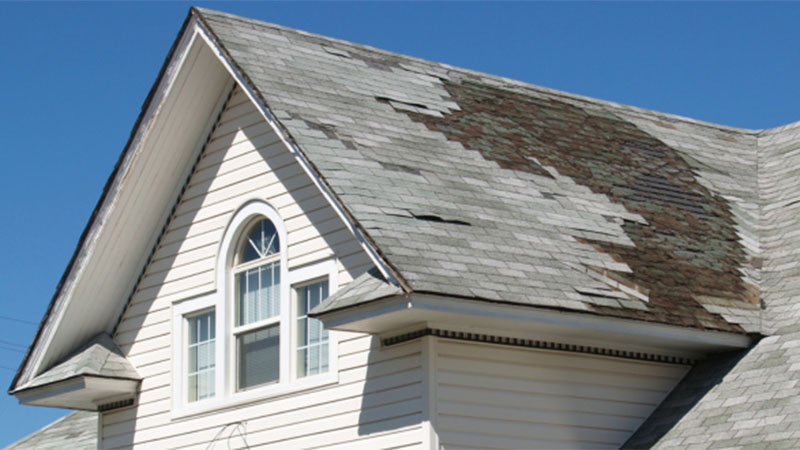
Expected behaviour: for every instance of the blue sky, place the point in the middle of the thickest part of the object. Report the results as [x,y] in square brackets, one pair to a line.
[74,76]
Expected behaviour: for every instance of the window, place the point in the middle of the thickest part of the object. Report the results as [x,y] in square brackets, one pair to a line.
[251,337]
[257,278]
[196,376]
[312,337]
[201,358]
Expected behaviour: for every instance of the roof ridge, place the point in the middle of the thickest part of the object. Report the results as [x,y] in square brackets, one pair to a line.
[513,82]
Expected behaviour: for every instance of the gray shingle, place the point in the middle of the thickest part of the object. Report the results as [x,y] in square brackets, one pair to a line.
[99,357]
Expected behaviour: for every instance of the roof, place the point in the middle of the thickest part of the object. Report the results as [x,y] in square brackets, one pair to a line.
[99,357]
[368,287]
[76,431]
[476,186]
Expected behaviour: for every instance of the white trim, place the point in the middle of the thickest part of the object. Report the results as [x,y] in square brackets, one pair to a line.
[430,437]
[393,315]
[301,159]
[180,311]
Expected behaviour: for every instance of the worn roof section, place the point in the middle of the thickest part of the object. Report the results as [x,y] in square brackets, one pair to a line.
[368,287]
[99,357]
[479,186]
[75,431]
[750,400]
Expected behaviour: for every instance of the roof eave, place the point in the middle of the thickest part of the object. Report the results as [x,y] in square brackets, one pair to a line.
[398,314]
[102,201]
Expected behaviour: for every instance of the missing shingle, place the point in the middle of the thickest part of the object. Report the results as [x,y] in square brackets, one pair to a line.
[434,218]
[394,102]
[336,51]
[328,130]
[400,168]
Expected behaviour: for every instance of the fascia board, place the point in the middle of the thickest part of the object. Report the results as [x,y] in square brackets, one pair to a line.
[433,310]
[60,302]
[600,324]
[389,273]
[91,384]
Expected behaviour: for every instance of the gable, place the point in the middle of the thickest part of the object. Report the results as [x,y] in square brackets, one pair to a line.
[243,160]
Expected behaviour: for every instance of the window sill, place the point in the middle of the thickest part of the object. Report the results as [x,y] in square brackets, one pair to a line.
[269,392]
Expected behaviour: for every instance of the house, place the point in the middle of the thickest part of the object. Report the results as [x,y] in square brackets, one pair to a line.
[312,243]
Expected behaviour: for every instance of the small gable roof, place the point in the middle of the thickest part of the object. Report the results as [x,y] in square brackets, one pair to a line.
[100,357]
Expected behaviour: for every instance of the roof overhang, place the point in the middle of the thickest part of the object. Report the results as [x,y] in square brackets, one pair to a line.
[84,392]
[398,315]
[136,202]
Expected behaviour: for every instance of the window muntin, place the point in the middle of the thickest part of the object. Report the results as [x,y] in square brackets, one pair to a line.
[312,337]
[201,356]
[261,241]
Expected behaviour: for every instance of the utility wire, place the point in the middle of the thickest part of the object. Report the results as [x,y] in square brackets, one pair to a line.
[11,349]
[13,344]
[14,319]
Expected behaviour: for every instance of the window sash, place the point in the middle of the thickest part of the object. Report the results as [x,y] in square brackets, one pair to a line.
[258,357]
[201,356]
[312,337]
[258,293]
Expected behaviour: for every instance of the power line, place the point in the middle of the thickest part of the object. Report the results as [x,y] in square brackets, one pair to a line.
[11,349]
[13,344]
[14,319]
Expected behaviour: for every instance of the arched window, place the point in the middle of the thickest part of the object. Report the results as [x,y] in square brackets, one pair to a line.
[257,305]
[252,337]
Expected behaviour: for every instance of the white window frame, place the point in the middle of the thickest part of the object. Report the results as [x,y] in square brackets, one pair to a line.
[222,301]
[181,312]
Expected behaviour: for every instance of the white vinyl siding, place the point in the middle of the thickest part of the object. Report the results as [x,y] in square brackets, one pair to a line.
[505,397]
[377,401]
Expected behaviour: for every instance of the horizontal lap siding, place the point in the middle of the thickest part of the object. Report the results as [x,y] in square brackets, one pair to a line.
[490,396]
[377,401]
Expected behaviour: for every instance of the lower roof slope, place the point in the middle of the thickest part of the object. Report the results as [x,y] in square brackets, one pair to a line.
[476,186]
[75,431]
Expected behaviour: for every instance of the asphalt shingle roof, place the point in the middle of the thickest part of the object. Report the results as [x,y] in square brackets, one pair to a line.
[75,431]
[478,186]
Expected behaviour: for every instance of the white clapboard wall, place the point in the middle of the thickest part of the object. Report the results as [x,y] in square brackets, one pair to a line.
[490,396]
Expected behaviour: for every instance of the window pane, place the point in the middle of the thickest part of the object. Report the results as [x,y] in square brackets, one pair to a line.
[258,293]
[312,337]
[260,241]
[259,357]
[201,356]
